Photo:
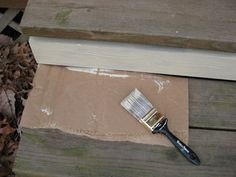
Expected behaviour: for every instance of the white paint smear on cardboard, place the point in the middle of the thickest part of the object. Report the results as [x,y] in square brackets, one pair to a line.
[100,72]
[91,105]
[46,110]
[162,84]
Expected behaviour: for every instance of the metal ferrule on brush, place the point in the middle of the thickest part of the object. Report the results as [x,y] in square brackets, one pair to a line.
[152,119]
[141,108]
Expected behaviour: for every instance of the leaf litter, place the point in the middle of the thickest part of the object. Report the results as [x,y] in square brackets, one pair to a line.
[17,69]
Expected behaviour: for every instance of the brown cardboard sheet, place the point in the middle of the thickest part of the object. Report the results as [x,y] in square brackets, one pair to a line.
[86,101]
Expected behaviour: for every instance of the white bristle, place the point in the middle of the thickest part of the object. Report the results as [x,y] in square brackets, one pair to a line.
[137,104]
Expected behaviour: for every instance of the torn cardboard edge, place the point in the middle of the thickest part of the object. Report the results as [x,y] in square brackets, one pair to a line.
[86,101]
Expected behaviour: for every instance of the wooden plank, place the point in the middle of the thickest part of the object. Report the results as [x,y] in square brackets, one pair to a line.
[18,4]
[7,17]
[212,104]
[204,24]
[56,154]
[13,24]
[134,57]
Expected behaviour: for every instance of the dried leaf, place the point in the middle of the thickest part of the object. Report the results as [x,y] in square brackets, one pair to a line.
[5,40]
[7,103]
[4,52]
[4,171]
[17,69]
[6,130]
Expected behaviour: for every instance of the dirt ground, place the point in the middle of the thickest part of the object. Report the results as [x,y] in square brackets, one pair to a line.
[17,69]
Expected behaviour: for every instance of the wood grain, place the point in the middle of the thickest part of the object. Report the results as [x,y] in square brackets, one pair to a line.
[135,57]
[18,4]
[204,24]
[212,104]
[56,154]
[7,17]
[13,24]
[52,153]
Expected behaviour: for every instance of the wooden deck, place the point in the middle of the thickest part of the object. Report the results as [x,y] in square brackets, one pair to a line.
[18,4]
[205,24]
[52,153]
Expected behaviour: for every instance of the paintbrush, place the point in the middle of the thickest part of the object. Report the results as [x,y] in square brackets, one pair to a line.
[140,107]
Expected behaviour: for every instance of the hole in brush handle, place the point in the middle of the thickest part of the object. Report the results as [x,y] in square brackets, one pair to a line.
[183,148]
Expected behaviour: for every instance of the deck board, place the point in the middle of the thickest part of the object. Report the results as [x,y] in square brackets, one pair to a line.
[212,104]
[192,24]
[50,152]
[53,153]
[19,4]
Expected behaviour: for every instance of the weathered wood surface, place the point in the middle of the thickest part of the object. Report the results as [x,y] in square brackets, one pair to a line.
[52,153]
[56,154]
[18,4]
[7,17]
[212,104]
[204,24]
[12,24]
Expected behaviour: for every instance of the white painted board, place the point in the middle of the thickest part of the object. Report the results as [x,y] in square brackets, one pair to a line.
[135,57]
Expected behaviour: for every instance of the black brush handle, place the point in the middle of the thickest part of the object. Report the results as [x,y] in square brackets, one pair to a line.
[183,148]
